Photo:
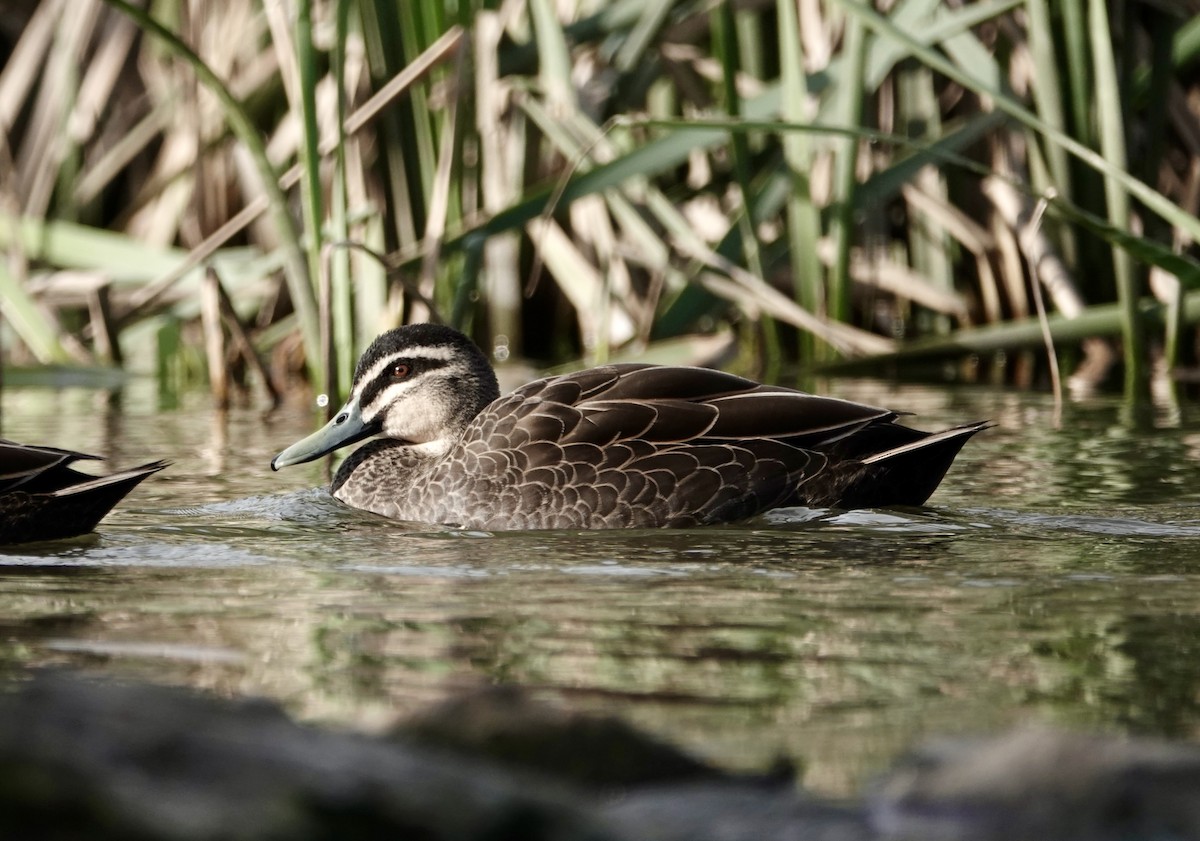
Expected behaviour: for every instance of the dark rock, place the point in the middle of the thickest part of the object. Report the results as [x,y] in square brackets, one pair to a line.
[507,726]
[734,812]
[1040,783]
[82,759]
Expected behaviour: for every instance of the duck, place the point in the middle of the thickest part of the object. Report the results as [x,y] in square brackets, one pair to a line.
[626,445]
[42,497]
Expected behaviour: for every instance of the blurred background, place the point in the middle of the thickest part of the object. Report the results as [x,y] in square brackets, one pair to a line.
[242,194]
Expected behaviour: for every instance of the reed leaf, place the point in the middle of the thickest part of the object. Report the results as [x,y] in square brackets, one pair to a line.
[29,322]
[1029,333]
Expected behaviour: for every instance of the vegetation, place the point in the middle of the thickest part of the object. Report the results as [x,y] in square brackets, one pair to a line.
[842,181]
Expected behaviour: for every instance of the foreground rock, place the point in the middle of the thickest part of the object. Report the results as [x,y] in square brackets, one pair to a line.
[1043,784]
[596,752]
[107,761]
[84,759]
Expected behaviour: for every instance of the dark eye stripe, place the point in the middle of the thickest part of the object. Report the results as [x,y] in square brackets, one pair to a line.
[381,353]
[384,379]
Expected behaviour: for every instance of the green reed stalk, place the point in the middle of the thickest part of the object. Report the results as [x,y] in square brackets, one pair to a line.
[341,288]
[310,190]
[803,216]
[850,108]
[725,43]
[1112,144]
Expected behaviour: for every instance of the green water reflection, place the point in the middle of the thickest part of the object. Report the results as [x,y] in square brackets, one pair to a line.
[1056,578]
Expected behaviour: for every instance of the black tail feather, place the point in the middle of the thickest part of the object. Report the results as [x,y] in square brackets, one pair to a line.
[907,474]
[58,502]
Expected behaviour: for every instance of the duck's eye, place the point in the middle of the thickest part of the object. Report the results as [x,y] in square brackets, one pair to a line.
[401,370]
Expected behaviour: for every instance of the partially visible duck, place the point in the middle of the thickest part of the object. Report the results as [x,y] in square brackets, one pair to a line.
[43,498]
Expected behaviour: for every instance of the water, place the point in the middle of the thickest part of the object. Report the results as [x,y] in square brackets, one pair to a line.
[1055,578]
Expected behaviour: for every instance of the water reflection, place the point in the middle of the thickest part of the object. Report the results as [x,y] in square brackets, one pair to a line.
[1055,577]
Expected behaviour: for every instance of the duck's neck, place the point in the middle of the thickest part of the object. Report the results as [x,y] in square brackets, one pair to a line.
[386,463]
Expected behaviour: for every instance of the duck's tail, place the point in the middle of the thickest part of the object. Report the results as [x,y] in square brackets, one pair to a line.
[73,505]
[909,473]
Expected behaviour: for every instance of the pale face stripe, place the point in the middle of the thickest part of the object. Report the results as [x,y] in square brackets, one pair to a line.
[444,354]
[385,398]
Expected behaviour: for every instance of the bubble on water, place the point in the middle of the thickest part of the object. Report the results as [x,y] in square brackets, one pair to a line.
[322,400]
[500,350]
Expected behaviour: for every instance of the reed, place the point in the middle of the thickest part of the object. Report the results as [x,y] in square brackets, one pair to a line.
[834,179]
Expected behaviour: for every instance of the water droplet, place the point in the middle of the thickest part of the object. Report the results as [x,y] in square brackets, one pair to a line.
[500,348]
[322,400]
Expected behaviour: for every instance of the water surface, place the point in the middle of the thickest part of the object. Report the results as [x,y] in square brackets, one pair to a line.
[1055,577]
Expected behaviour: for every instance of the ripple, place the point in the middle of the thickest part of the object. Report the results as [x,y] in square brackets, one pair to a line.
[311,505]
[136,551]
[420,571]
[1095,524]
[151,650]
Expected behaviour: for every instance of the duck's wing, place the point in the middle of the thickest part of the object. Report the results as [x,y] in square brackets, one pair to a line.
[37,469]
[680,404]
[641,445]
[852,455]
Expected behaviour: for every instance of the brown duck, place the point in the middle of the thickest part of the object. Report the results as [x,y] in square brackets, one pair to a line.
[619,446]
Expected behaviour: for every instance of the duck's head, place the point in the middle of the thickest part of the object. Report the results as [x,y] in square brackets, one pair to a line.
[421,384]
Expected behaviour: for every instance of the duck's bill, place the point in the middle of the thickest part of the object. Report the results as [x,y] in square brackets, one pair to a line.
[346,428]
